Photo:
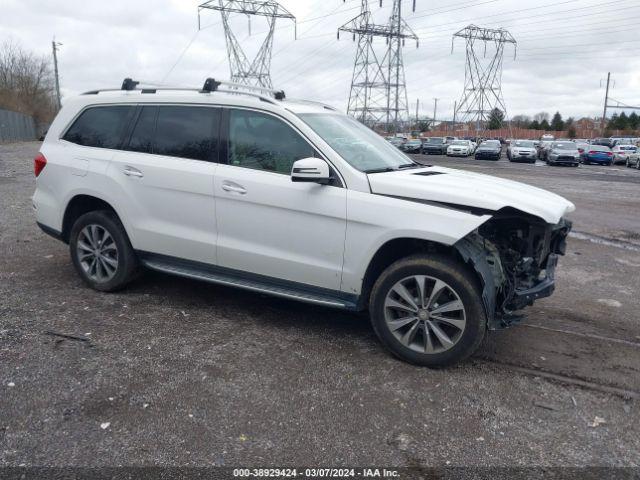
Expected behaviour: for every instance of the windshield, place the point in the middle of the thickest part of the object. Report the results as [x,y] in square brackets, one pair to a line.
[459,142]
[414,142]
[564,146]
[436,141]
[361,147]
[490,144]
[524,144]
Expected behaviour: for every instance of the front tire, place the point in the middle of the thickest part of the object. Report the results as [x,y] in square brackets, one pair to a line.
[101,252]
[427,310]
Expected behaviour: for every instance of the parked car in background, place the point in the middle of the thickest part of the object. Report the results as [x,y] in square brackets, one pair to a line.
[623,141]
[543,148]
[522,151]
[474,146]
[412,146]
[547,138]
[599,154]
[489,150]
[460,148]
[633,160]
[396,141]
[605,142]
[581,145]
[563,153]
[621,152]
[435,146]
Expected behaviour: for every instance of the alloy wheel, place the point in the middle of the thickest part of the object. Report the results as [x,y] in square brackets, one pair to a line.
[97,253]
[425,314]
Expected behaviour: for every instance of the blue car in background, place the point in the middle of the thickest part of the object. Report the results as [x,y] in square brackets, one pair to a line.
[598,154]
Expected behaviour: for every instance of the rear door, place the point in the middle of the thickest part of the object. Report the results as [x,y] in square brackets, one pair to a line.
[166,176]
[267,224]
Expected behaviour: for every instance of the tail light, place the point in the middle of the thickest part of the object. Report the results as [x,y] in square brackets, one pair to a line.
[609,154]
[581,150]
[592,152]
[39,163]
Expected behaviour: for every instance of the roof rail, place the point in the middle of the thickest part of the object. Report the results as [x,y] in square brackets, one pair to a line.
[210,85]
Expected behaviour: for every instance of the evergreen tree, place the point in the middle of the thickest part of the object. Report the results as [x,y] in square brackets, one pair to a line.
[496,118]
[535,125]
[571,132]
[557,123]
[634,121]
[544,125]
[613,122]
[623,122]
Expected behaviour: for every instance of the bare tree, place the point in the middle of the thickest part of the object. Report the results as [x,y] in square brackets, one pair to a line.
[541,117]
[521,121]
[26,82]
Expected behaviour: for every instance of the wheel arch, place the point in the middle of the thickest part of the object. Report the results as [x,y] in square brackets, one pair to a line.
[402,247]
[77,206]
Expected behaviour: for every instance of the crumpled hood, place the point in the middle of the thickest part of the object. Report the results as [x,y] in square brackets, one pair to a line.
[447,185]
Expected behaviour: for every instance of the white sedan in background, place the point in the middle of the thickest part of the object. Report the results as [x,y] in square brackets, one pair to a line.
[460,148]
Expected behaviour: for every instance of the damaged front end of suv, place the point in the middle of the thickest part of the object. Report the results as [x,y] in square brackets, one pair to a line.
[515,255]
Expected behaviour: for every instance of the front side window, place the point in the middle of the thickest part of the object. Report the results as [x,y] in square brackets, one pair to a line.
[263,142]
[100,127]
[186,132]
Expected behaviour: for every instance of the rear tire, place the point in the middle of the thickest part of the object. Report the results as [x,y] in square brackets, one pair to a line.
[444,300]
[101,251]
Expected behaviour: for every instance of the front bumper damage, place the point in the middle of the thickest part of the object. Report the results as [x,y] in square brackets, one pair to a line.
[515,256]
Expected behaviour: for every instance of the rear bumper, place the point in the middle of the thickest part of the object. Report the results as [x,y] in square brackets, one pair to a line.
[487,155]
[434,151]
[598,159]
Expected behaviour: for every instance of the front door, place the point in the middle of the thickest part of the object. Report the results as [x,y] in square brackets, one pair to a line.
[267,224]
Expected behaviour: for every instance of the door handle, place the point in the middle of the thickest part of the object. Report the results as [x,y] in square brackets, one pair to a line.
[233,187]
[132,172]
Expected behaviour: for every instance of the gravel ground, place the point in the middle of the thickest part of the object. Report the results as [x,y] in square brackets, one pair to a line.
[176,372]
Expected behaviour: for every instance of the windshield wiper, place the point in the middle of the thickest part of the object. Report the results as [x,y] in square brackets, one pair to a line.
[380,170]
[409,165]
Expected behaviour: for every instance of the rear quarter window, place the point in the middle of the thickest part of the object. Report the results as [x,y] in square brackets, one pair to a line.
[100,127]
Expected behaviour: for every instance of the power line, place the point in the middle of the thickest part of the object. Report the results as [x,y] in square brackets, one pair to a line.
[528,17]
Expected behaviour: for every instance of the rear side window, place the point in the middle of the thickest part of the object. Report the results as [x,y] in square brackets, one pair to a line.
[100,127]
[187,132]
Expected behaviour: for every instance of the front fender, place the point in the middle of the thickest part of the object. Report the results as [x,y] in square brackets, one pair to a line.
[373,220]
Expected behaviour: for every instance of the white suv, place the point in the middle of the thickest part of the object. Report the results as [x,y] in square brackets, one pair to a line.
[291,198]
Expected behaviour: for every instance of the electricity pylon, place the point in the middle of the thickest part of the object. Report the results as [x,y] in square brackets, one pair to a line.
[378,95]
[257,72]
[482,79]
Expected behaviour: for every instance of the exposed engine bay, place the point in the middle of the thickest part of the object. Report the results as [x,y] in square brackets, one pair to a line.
[515,254]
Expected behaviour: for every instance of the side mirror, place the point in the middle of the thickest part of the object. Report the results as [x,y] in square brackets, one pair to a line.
[311,169]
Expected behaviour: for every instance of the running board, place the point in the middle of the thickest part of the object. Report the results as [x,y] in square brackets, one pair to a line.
[212,275]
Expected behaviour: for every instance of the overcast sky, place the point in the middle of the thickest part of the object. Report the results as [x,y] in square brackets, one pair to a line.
[565,48]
